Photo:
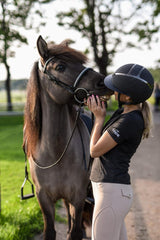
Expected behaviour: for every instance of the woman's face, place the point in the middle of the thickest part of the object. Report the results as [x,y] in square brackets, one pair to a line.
[116,96]
[123,97]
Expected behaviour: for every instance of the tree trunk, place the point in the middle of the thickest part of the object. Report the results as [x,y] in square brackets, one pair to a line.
[8,88]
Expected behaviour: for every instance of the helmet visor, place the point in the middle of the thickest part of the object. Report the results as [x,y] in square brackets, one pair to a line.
[108,82]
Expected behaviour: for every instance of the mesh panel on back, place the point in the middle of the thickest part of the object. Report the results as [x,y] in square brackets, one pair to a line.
[135,70]
[124,69]
[146,75]
[131,69]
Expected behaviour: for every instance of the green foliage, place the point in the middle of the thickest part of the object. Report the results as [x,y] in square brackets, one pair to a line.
[156,6]
[156,74]
[15,15]
[106,23]
[112,104]
[19,220]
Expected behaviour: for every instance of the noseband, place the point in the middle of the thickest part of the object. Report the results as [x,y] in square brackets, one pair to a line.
[79,93]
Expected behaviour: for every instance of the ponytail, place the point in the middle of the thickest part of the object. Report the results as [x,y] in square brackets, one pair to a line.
[147,116]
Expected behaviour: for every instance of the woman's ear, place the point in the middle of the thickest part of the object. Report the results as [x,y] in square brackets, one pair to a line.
[128,99]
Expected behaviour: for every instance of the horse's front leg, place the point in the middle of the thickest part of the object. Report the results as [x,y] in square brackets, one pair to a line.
[48,211]
[76,232]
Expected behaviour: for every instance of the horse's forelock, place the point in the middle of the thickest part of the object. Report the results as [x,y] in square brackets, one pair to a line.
[65,52]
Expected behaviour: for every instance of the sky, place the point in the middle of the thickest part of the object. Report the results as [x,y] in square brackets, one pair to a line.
[26,55]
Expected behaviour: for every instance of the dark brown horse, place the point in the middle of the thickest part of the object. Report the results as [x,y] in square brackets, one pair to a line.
[55,137]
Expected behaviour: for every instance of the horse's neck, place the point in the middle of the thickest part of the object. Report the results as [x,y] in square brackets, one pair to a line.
[57,120]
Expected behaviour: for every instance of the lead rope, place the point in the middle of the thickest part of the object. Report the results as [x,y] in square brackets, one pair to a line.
[66,147]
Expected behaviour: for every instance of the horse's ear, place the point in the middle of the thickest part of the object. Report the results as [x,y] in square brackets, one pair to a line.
[42,47]
[67,42]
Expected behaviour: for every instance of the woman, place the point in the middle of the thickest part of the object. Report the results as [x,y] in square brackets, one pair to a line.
[157,96]
[113,145]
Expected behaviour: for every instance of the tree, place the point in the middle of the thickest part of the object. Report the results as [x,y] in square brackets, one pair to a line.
[108,24]
[14,15]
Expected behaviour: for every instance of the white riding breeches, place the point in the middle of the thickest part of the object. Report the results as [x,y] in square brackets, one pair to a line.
[112,203]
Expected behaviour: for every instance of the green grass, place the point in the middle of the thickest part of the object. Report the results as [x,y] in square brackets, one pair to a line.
[19,220]
[18,100]
[17,96]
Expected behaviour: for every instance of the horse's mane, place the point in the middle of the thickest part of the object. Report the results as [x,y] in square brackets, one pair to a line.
[33,111]
[32,115]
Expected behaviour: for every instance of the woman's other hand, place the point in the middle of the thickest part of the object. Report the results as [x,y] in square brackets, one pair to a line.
[96,106]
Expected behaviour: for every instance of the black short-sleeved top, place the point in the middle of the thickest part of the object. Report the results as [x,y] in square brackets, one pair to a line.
[126,129]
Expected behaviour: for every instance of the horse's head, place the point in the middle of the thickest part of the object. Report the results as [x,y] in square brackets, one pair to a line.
[60,77]
[63,75]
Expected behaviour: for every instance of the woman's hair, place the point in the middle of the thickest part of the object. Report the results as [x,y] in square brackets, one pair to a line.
[147,116]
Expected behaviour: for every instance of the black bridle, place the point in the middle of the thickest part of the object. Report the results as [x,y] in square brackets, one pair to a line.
[79,93]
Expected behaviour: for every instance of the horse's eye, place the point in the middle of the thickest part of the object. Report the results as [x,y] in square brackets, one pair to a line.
[60,68]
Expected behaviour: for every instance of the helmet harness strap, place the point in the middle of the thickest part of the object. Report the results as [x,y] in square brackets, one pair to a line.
[120,103]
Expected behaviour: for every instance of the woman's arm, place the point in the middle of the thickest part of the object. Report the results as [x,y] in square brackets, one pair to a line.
[99,144]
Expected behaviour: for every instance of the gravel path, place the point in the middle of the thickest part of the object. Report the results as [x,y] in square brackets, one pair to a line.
[143,221]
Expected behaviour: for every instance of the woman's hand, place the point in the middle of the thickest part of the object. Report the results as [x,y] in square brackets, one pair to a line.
[99,143]
[97,107]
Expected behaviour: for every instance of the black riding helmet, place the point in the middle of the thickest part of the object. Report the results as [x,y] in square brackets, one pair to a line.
[132,80]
